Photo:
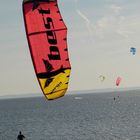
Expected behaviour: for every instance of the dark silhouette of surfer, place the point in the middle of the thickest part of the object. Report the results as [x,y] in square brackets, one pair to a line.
[20,136]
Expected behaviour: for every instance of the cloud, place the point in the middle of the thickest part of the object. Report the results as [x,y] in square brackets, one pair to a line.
[87,21]
[123,26]
[116,9]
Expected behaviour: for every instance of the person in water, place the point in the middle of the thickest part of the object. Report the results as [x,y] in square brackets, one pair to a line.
[20,136]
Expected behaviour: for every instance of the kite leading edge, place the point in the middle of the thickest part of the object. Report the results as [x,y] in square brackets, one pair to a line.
[47,39]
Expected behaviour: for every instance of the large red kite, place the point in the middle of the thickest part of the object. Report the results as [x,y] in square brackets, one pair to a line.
[47,39]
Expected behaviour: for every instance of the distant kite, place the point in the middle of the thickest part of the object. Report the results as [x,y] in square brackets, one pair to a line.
[118,81]
[102,78]
[133,50]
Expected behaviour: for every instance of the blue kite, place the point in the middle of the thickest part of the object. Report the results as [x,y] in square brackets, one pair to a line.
[133,50]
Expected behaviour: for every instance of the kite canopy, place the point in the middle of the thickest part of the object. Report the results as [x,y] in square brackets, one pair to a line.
[102,77]
[47,40]
[133,50]
[118,80]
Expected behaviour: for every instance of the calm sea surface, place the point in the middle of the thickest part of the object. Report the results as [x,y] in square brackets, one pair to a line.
[102,116]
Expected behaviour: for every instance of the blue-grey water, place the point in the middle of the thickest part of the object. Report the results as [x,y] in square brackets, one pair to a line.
[74,117]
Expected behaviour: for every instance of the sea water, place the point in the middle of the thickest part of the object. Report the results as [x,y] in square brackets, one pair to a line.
[94,116]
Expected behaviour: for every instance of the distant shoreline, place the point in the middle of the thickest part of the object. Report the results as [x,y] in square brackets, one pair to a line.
[91,91]
[105,90]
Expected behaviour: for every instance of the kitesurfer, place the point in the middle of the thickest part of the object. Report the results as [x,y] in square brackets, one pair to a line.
[20,136]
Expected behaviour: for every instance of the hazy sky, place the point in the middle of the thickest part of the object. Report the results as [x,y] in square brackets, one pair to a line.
[100,34]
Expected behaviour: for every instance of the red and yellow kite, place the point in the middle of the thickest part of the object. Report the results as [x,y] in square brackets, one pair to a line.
[47,39]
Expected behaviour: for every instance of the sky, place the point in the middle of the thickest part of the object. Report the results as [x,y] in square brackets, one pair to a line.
[100,35]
